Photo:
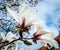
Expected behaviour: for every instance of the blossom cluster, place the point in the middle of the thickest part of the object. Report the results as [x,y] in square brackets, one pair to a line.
[25,21]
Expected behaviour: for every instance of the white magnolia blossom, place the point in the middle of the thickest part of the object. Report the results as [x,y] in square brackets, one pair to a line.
[45,36]
[49,39]
[26,18]
[8,37]
[26,14]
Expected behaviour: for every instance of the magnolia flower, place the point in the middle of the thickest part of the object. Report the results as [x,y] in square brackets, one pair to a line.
[9,37]
[25,18]
[46,37]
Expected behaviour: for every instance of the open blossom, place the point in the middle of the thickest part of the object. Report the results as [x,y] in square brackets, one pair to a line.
[26,16]
[46,37]
[8,37]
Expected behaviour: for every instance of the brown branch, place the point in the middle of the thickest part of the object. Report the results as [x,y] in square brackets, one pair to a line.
[8,43]
[14,41]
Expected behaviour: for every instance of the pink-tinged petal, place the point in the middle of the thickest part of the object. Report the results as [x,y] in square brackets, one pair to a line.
[37,36]
[13,14]
[27,13]
[34,34]
[23,23]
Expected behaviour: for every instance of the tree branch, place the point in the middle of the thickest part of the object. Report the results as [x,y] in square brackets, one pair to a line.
[14,41]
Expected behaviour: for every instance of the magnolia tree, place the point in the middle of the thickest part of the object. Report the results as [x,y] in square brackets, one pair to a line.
[25,20]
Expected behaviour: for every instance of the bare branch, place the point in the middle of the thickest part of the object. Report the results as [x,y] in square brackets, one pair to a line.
[14,41]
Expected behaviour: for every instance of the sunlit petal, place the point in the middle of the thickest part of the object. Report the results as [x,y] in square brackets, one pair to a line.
[52,43]
[9,36]
[47,36]
[13,14]
[2,35]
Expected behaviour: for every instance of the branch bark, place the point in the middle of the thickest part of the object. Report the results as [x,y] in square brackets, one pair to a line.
[14,41]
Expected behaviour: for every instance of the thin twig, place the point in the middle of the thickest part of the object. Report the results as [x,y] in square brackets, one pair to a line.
[14,41]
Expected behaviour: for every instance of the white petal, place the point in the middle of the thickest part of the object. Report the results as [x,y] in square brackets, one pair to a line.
[30,16]
[9,36]
[52,43]
[55,44]
[13,14]
[22,9]
[39,23]
[16,43]
[44,43]
[2,35]
[10,40]
[5,48]
[27,13]
[32,12]
[48,36]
